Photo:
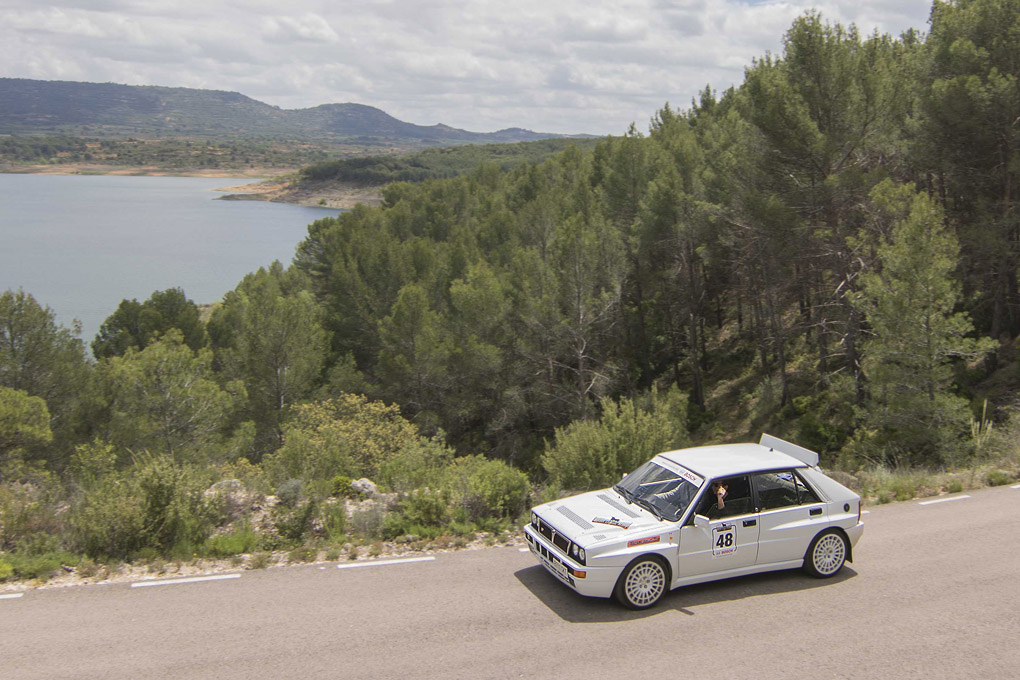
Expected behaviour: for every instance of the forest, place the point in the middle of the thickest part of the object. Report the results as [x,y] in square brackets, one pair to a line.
[439,163]
[170,154]
[827,252]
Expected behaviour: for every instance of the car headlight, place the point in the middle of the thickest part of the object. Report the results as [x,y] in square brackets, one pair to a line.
[534,519]
[580,554]
[577,552]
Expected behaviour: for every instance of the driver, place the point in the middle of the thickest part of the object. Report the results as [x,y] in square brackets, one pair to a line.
[720,490]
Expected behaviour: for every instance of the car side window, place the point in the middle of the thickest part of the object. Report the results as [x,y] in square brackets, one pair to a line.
[737,500]
[806,494]
[776,490]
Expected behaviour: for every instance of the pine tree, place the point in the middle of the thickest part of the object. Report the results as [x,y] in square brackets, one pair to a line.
[909,304]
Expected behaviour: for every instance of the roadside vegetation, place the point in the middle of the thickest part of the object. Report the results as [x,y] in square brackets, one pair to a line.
[827,252]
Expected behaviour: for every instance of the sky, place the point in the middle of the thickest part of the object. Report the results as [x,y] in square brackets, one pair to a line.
[559,66]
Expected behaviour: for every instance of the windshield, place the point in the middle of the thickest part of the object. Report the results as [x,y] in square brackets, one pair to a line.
[664,492]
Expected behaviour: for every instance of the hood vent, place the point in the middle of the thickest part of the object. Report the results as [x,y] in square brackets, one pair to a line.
[622,508]
[575,518]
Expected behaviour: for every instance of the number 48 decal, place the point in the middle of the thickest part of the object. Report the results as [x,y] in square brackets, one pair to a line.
[724,540]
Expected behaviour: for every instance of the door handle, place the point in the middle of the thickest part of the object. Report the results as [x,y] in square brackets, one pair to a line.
[816,511]
[750,522]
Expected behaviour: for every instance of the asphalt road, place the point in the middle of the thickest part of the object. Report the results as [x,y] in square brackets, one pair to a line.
[934,592]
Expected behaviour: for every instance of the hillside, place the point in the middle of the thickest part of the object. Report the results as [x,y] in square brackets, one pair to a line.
[343,183]
[119,111]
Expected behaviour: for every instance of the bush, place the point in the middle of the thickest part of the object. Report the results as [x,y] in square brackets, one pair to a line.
[292,522]
[290,492]
[244,540]
[334,520]
[6,570]
[368,522]
[422,463]
[303,553]
[394,524]
[39,566]
[588,454]
[488,488]
[347,435]
[342,486]
[161,507]
[109,521]
[426,507]
[997,478]
[175,509]
[26,510]
[260,560]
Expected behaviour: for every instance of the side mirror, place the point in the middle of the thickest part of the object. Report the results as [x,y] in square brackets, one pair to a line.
[702,522]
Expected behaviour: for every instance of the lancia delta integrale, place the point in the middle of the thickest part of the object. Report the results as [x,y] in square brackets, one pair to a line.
[698,515]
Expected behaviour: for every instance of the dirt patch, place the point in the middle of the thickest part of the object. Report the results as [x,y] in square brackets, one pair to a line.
[322,194]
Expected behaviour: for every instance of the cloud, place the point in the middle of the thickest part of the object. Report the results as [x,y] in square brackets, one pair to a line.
[569,66]
[306,28]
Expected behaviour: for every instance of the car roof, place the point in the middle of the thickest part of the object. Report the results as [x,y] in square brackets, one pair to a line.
[732,459]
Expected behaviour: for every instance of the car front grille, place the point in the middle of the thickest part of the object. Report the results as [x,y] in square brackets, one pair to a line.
[556,538]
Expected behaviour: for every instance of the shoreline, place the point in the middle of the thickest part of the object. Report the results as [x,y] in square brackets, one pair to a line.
[272,185]
[141,171]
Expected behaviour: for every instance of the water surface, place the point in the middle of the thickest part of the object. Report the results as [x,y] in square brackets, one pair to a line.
[81,244]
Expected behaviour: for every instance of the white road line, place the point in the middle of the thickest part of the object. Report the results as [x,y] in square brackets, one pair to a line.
[13,596]
[524,550]
[865,512]
[943,500]
[190,579]
[379,563]
[1015,487]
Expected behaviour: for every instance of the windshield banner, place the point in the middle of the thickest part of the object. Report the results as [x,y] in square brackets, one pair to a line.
[680,471]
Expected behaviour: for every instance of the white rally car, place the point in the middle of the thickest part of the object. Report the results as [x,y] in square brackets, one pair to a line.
[664,526]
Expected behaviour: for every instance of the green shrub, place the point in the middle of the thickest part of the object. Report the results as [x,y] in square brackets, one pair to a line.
[367,522]
[6,570]
[955,486]
[292,523]
[590,454]
[421,463]
[487,488]
[341,486]
[26,510]
[426,507]
[394,524]
[303,553]
[109,521]
[347,435]
[997,478]
[175,509]
[260,560]
[334,521]
[244,540]
[39,566]
[290,492]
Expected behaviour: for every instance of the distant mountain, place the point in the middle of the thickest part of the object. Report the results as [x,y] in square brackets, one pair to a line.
[107,109]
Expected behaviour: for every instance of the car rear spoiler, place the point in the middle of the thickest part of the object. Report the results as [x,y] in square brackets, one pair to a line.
[799,452]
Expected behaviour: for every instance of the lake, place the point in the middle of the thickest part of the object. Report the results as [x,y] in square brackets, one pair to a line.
[81,244]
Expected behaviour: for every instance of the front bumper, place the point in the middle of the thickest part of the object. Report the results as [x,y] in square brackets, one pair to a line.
[585,579]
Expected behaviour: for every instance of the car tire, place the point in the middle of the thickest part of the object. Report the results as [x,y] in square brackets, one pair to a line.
[827,554]
[643,583]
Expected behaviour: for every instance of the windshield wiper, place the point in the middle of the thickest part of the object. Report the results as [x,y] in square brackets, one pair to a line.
[627,496]
[647,505]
